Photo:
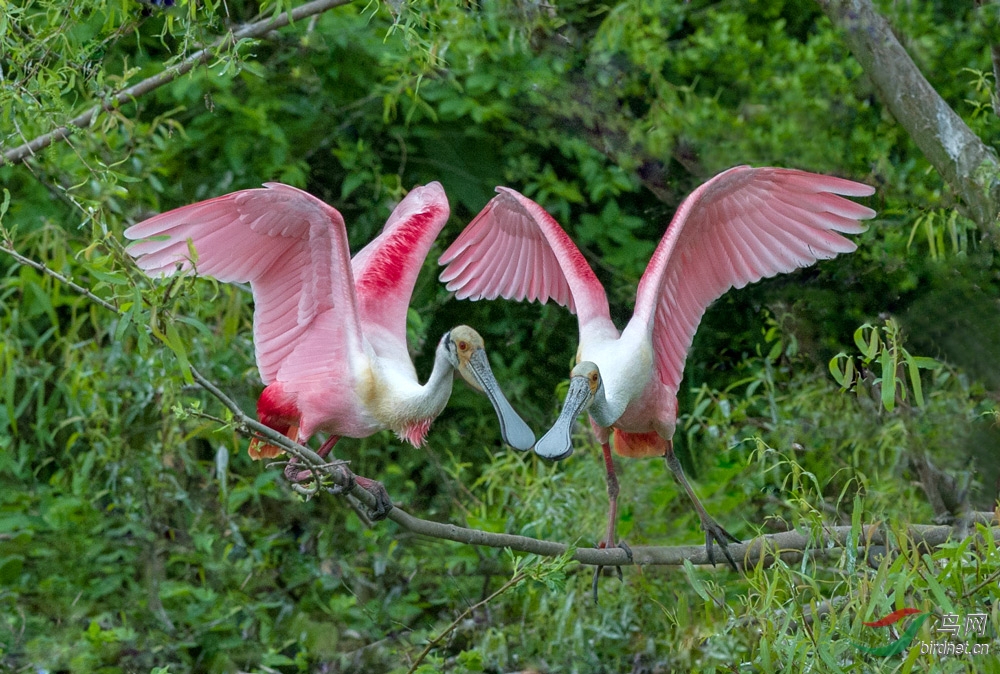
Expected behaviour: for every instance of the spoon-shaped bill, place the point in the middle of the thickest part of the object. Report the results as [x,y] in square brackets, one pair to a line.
[556,443]
[515,432]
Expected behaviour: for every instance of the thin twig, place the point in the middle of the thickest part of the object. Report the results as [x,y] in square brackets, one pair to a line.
[258,29]
[430,644]
[38,266]
[990,579]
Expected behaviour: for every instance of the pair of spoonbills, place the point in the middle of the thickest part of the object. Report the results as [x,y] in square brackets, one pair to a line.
[330,330]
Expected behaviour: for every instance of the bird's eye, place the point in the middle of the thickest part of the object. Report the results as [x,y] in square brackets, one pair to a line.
[594,377]
[463,345]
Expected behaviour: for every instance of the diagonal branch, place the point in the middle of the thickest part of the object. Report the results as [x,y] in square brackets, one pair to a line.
[969,166]
[788,546]
[257,29]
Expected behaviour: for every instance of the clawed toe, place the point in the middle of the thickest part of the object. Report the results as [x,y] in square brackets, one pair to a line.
[383,504]
[715,532]
[603,545]
[348,481]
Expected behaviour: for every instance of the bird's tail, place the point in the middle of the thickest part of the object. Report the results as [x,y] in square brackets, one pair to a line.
[639,445]
[261,449]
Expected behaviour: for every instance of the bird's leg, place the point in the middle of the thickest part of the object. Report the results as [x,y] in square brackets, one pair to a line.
[383,504]
[609,537]
[292,473]
[609,465]
[713,530]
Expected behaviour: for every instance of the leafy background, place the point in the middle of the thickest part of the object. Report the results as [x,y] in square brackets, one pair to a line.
[136,535]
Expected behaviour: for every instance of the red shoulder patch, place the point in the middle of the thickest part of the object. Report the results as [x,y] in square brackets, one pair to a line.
[275,409]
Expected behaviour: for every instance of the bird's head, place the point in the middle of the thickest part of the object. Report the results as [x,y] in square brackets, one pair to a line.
[465,350]
[587,378]
[585,385]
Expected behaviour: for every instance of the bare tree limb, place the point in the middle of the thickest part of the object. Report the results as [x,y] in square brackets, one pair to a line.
[258,29]
[789,546]
[959,155]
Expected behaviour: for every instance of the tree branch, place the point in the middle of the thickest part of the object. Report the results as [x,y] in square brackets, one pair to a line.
[258,29]
[789,546]
[959,155]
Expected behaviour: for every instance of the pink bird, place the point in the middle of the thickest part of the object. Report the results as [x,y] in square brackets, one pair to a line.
[742,225]
[329,330]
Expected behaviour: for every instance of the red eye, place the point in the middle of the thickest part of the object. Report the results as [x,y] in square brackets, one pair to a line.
[462,346]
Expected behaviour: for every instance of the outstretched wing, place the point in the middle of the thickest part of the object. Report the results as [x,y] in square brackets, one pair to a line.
[293,250]
[742,225]
[515,250]
[386,270]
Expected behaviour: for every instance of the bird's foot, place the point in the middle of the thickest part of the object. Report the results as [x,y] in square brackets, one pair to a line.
[603,545]
[295,474]
[383,504]
[715,532]
[303,482]
[346,483]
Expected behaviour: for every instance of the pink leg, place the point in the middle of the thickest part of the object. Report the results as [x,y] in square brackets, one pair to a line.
[609,537]
[713,530]
[609,465]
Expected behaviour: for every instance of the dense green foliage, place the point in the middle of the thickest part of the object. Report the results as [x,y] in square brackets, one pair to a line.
[136,534]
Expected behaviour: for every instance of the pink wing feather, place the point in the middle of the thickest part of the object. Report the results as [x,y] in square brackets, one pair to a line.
[293,250]
[743,225]
[515,250]
[386,270]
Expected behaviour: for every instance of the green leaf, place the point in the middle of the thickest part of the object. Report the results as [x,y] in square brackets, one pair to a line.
[352,182]
[176,344]
[696,583]
[843,375]
[888,361]
[867,345]
[114,279]
[914,370]
[925,363]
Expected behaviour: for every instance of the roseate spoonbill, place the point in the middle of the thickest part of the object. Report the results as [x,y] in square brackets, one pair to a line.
[742,225]
[329,330]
